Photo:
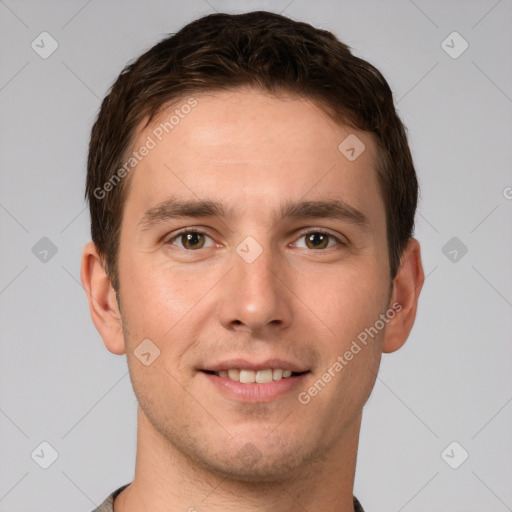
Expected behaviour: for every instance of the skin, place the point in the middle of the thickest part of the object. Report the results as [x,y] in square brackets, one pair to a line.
[251,152]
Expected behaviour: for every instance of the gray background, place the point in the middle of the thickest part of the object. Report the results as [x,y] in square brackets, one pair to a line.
[450,382]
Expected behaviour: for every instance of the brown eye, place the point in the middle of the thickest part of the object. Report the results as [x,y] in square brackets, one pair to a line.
[190,240]
[317,240]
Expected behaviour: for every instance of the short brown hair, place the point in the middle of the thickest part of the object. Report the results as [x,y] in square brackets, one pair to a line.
[263,50]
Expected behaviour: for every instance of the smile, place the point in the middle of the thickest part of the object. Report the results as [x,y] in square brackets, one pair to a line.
[255,376]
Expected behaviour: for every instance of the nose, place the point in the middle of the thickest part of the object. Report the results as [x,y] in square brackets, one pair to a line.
[256,296]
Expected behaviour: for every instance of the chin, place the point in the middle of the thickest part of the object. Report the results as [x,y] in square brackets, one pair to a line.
[262,471]
[258,464]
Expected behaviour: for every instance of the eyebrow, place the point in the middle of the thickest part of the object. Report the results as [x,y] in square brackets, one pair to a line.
[176,208]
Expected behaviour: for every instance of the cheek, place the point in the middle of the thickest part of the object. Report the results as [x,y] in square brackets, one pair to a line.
[165,305]
[154,293]
[350,299]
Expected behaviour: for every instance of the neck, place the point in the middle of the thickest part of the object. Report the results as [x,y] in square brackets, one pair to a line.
[165,479]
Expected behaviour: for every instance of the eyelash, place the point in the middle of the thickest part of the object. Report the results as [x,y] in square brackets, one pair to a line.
[169,241]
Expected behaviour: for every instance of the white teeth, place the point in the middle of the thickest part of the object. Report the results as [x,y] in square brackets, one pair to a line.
[277,374]
[264,376]
[251,376]
[247,376]
[234,374]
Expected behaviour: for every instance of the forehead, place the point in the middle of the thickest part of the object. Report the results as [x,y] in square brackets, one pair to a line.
[244,122]
[255,143]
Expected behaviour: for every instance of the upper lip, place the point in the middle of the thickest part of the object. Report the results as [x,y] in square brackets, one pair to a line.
[255,365]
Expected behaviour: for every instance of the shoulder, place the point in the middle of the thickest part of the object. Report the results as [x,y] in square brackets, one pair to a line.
[357,506]
[108,504]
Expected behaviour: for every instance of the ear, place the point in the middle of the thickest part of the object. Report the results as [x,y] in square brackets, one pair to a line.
[406,290]
[102,300]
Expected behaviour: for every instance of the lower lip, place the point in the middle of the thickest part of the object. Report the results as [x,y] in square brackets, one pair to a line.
[255,392]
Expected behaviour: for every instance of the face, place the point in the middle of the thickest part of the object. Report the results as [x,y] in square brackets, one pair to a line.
[252,248]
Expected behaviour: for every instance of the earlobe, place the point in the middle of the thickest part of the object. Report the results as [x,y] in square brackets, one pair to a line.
[102,300]
[406,290]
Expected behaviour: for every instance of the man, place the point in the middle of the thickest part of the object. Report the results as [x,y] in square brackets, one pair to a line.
[252,200]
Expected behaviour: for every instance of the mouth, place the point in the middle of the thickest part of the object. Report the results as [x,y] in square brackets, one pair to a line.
[244,381]
[247,376]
